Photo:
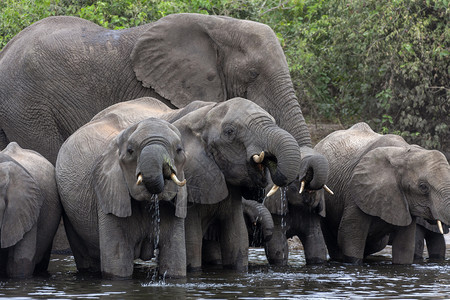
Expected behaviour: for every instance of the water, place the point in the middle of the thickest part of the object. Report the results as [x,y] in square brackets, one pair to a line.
[378,279]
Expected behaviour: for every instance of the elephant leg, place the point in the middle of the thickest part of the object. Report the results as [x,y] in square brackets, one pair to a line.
[310,234]
[83,260]
[234,236]
[116,253]
[277,248]
[435,245]
[194,238]
[352,234]
[419,243]
[334,251]
[172,245]
[42,266]
[403,244]
[21,256]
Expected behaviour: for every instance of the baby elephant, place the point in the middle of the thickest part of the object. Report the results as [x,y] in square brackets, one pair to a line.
[30,211]
[380,184]
[122,189]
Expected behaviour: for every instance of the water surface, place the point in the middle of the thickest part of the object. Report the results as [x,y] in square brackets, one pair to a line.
[377,279]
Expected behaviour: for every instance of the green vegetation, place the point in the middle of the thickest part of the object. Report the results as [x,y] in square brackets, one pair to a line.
[384,62]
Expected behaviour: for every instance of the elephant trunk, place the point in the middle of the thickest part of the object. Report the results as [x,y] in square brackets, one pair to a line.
[314,169]
[258,213]
[154,165]
[283,155]
[283,105]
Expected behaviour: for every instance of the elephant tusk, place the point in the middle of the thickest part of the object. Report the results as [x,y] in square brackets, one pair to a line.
[176,180]
[302,187]
[139,179]
[327,189]
[441,230]
[273,190]
[258,158]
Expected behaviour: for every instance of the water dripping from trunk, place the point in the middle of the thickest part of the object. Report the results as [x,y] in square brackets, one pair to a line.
[283,203]
[155,219]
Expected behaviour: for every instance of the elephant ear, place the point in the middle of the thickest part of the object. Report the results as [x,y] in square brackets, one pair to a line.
[374,186]
[177,58]
[205,181]
[20,203]
[109,184]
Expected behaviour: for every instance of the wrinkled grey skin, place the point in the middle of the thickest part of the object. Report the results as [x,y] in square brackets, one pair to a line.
[67,69]
[220,140]
[30,211]
[110,219]
[380,184]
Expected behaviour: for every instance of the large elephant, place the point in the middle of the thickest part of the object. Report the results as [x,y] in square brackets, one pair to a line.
[117,178]
[220,141]
[58,73]
[381,183]
[30,211]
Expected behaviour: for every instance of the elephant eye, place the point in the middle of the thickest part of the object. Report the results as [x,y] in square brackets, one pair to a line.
[229,132]
[130,150]
[424,188]
[179,149]
[253,73]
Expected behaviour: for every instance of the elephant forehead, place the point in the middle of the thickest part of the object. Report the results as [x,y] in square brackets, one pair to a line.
[157,127]
[241,108]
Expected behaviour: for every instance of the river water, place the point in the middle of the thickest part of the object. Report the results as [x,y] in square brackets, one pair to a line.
[376,279]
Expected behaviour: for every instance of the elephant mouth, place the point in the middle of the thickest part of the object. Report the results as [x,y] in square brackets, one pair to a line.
[259,165]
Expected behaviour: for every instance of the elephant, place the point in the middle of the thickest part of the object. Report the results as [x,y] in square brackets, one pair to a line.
[381,184]
[229,145]
[299,214]
[122,189]
[30,212]
[56,74]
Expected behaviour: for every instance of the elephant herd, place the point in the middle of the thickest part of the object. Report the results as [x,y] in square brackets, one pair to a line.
[159,140]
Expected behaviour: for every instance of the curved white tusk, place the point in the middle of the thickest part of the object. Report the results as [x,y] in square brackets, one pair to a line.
[139,179]
[176,180]
[273,190]
[258,158]
[441,230]
[327,189]
[302,187]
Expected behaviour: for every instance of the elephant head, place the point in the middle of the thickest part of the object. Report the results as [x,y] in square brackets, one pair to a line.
[233,143]
[145,159]
[395,183]
[213,58]
[20,201]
